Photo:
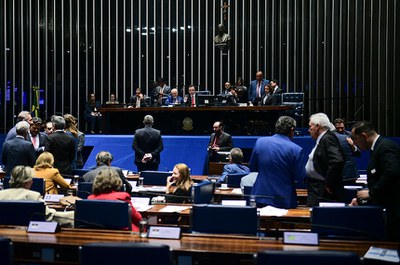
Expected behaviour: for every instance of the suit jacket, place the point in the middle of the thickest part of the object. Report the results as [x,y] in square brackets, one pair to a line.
[278,91]
[328,160]
[17,151]
[133,99]
[91,175]
[188,99]
[279,162]
[350,171]
[52,178]
[42,139]
[224,141]
[21,194]
[147,140]
[121,196]
[383,173]
[253,89]
[171,101]
[11,134]
[62,146]
[233,169]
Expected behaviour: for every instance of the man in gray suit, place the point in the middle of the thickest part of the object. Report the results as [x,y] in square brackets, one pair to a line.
[18,151]
[103,160]
[147,145]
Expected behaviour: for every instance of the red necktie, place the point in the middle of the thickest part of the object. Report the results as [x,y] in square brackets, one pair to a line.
[258,90]
[193,103]
[34,141]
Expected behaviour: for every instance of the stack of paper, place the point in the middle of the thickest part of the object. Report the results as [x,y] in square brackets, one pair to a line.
[272,211]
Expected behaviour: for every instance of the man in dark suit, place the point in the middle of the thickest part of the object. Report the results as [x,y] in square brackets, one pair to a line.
[383,175]
[256,88]
[147,145]
[18,151]
[325,163]
[36,136]
[191,99]
[137,100]
[22,116]
[103,160]
[220,141]
[62,146]
[279,162]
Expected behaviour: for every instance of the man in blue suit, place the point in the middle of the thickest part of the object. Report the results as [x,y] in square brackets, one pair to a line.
[256,88]
[18,151]
[278,162]
[235,164]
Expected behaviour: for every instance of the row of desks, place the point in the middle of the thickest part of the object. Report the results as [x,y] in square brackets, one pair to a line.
[63,247]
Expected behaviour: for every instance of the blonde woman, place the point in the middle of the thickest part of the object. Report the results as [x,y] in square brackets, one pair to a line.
[44,169]
[106,186]
[179,184]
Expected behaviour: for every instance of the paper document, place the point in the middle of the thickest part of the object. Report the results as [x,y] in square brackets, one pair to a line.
[272,211]
[388,255]
[237,191]
[173,209]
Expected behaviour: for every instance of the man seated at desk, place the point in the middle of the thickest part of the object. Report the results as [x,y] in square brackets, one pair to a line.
[174,99]
[137,100]
[235,165]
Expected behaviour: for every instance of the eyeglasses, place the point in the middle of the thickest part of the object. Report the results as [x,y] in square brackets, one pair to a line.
[47,128]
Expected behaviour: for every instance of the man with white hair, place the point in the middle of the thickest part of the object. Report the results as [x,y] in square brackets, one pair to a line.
[174,98]
[18,151]
[325,163]
[22,116]
[147,145]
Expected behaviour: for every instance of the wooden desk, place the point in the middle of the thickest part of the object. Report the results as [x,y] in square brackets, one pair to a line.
[63,247]
[255,120]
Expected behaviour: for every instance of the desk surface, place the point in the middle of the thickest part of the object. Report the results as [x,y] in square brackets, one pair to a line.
[26,243]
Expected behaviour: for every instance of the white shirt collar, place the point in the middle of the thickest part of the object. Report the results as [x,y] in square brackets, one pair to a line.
[373,144]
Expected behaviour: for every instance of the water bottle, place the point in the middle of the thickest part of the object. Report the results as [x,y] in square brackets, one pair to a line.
[143,228]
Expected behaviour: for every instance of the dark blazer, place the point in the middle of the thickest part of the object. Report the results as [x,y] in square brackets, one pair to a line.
[328,160]
[350,167]
[224,141]
[62,146]
[133,100]
[91,175]
[253,89]
[147,140]
[42,139]
[16,152]
[188,99]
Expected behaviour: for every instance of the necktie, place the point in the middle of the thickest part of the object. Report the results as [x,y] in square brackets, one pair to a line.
[258,90]
[34,141]
[137,102]
[193,102]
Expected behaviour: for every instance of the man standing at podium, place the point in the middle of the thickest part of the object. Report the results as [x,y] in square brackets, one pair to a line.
[148,145]
[220,141]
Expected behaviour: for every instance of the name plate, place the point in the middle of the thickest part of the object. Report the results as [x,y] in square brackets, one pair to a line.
[300,238]
[42,227]
[164,232]
[53,197]
[332,204]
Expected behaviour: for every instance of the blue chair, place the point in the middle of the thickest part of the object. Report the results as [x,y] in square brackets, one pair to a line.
[362,222]
[124,253]
[158,178]
[203,192]
[21,212]
[103,214]
[84,189]
[247,193]
[233,180]
[300,257]
[6,251]
[38,184]
[222,219]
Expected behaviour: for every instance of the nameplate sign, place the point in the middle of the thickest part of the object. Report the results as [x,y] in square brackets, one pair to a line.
[300,238]
[332,204]
[53,197]
[42,227]
[234,202]
[164,232]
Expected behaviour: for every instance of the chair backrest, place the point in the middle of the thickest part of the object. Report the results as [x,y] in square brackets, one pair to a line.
[21,212]
[6,182]
[6,251]
[247,193]
[300,257]
[124,253]
[102,214]
[80,172]
[158,178]
[84,189]
[203,192]
[224,219]
[39,185]
[233,180]
[364,222]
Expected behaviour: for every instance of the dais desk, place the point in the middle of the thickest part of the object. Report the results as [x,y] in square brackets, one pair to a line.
[63,247]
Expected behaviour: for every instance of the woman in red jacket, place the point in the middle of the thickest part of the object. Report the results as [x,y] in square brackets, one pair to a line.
[106,186]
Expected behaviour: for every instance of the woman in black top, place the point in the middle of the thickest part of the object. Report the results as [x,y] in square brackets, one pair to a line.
[179,184]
